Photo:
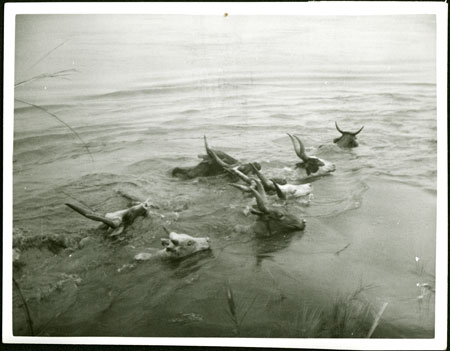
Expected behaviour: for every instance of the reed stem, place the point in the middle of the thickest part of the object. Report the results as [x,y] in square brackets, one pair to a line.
[27,311]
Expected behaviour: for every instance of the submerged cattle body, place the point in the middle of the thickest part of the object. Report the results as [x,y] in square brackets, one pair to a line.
[209,165]
[177,246]
[347,139]
[310,165]
[116,222]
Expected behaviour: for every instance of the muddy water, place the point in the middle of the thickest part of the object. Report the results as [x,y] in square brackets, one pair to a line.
[141,93]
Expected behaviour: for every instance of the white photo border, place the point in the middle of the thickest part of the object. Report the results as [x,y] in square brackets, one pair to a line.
[439,9]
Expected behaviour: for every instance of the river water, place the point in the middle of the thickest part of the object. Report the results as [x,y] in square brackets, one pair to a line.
[139,92]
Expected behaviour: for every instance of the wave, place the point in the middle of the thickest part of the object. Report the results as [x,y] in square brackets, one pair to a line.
[38,141]
[54,107]
[241,81]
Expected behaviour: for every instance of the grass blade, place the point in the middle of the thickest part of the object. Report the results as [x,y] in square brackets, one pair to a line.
[230,300]
[27,310]
[248,309]
[377,320]
[60,74]
[59,120]
[47,54]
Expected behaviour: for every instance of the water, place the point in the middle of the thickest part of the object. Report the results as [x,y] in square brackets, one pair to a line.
[143,91]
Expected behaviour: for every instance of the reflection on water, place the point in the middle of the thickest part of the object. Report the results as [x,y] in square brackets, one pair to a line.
[141,91]
[267,246]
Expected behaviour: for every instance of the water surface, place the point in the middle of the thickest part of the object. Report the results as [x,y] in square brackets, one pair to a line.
[141,93]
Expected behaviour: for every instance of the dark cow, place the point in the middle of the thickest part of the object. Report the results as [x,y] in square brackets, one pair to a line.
[347,139]
[210,167]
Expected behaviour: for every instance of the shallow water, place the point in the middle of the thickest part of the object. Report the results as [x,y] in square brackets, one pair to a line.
[144,91]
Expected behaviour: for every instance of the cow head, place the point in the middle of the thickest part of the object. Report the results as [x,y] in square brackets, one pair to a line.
[312,165]
[347,139]
[271,220]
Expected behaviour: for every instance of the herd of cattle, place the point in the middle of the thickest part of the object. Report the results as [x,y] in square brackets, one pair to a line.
[272,216]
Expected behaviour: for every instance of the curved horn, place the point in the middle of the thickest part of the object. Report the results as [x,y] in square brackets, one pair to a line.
[241,175]
[260,201]
[212,154]
[240,187]
[217,158]
[261,176]
[94,216]
[338,129]
[206,145]
[260,188]
[303,155]
[280,194]
[296,147]
[359,131]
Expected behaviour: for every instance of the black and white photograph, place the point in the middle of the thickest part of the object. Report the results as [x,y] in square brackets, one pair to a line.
[226,174]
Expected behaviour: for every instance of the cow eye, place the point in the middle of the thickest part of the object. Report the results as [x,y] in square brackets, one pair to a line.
[190,242]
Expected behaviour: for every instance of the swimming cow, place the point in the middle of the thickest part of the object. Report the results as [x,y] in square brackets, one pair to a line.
[271,220]
[310,165]
[176,246]
[209,166]
[347,139]
[116,221]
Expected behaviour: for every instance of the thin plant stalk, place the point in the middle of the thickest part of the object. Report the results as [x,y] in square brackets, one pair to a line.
[60,120]
[47,54]
[232,309]
[60,74]
[377,320]
[248,309]
[27,311]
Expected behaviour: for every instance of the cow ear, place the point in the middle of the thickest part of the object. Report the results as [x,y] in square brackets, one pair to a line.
[335,140]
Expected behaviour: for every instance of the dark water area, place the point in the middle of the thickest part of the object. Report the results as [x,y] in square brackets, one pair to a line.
[141,93]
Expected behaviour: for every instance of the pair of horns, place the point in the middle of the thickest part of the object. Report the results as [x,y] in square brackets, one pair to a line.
[300,148]
[351,133]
